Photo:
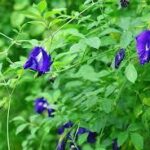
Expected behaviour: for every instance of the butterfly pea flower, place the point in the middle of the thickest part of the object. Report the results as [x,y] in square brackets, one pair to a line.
[62,144]
[115,145]
[82,130]
[62,128]
[68,124]
[124,3]
[91,138]
[41,105]
[63,141]
[119,57]
[143,46]
[38,60]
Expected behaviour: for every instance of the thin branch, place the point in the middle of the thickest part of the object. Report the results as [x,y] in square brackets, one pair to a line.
[6,36]
[52,35]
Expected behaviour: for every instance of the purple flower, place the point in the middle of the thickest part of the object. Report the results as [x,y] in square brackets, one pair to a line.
[42,105]
[82,130]
[61,145]
[143,46]
[69,124]
[115,145]
[61,129]
[91,137]
[38,61]
[124,3]
[119,57]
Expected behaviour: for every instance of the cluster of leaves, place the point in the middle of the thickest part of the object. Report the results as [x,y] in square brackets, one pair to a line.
[83,38]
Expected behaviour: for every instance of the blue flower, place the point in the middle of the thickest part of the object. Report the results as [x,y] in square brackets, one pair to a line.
[143,46]
[63,141]
[42,105]
[82,130]
[91,137]
[61,145]
[69,124]
[119,57]
[115,145]
[61,129]
[38,61]
[124,3]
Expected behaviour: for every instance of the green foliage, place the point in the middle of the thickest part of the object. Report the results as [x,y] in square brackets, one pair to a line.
[131,73]
[137,141]
[82,37]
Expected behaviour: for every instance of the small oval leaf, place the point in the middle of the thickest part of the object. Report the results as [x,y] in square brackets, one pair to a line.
[131,73]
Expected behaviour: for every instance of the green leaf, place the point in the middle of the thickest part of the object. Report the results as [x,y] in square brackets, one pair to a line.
[93,42]
[21,4]
[126,39]
[33,13]
[42,5]
[122,137]
[21,128]
[1,65]
[82,138]
[109,90]
[109,31]
[146,101]
[20,18]
[131,73]
[87,72]
[125,23]
[137,141]
[87,147]
[133,127]
[87,2]
[75,48]
[18,118]
[107,105]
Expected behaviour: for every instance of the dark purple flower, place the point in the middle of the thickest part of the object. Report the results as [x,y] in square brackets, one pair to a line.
[82,130]
[42,105]
[143,46]
[124,3]
[69,124]
[50,111]
[115,145]
[61,145]
[61,129]
[38,61]
[119,57]
[91,137]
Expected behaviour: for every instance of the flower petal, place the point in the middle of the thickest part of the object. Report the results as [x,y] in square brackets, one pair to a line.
[119,57]
[143,46]
[38,60]
[91,137]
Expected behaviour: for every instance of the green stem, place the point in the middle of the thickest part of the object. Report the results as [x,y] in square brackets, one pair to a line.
[8,114]
[6,36]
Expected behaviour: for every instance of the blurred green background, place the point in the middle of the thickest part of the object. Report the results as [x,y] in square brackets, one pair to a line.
[82,85]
